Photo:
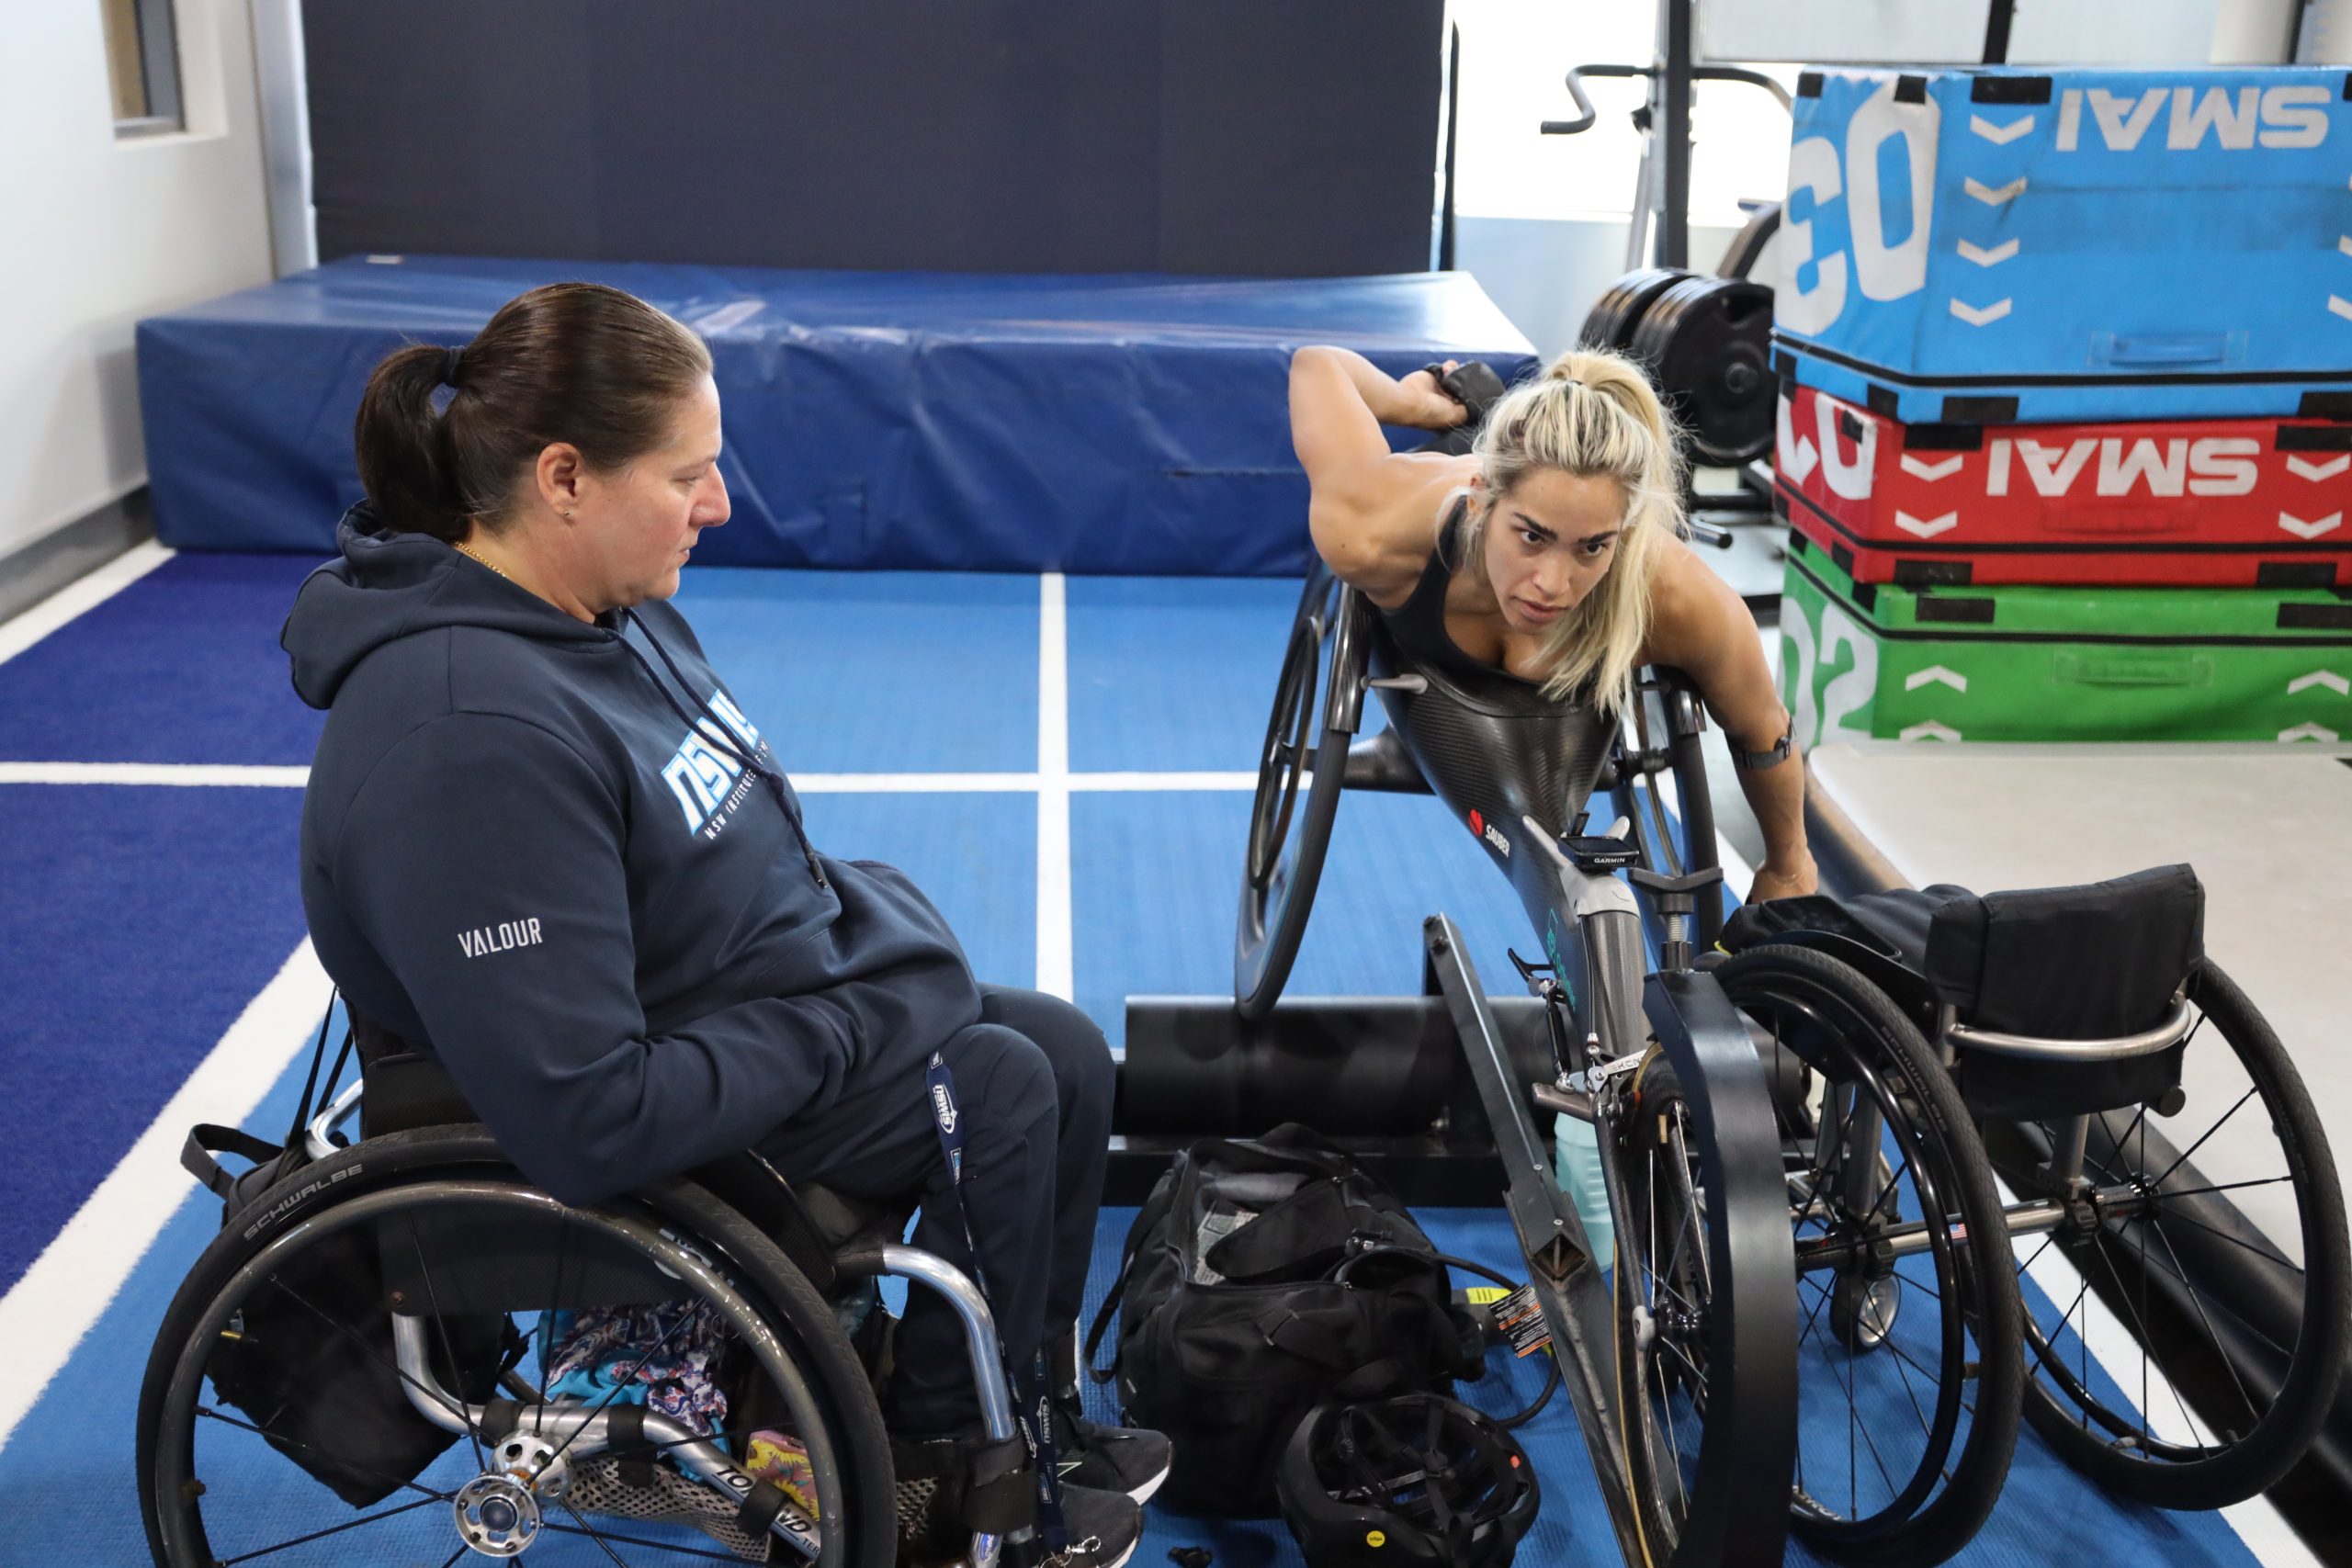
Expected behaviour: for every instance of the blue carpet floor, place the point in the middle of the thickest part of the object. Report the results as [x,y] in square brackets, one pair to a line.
[137,921]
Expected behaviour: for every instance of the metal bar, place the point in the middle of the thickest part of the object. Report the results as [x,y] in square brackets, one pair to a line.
[1559,1256]
[2022,1219]
[2163,1037]
[1674,128]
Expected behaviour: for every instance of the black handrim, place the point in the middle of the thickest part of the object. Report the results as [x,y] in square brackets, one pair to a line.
[2215,1388]
[201,1454]
[1288,836]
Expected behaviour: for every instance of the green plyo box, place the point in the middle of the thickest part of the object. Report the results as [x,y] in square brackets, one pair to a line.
[2072,663]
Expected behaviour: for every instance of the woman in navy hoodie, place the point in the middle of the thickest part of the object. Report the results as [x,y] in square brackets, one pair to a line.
[542,843]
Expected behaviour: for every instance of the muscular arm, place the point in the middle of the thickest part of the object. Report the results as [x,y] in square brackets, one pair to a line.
[1370,511]
[1699,627]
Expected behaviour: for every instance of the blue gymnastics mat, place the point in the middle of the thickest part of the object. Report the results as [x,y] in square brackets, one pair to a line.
[1133,424]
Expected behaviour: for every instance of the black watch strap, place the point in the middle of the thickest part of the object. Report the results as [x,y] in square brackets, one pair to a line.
[1757,762]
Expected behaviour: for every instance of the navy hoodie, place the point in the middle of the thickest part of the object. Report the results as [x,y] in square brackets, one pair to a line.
[557,857]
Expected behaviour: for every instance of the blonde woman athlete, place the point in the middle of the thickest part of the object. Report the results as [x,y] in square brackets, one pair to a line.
[1549,551]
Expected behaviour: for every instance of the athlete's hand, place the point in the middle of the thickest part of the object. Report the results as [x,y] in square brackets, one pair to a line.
[1778,880]
[1423,404]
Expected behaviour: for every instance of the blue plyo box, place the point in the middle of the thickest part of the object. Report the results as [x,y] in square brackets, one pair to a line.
[1984,245]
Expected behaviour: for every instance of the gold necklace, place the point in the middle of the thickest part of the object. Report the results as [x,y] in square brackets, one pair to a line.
[475,555]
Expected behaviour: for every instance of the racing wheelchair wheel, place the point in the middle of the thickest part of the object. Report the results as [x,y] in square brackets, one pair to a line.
[341,1375]
[1301,771]
[1910,1381]
[1703,1360]
[2209,1395]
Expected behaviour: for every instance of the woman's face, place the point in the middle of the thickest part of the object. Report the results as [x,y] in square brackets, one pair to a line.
[1549,541]
[634,527]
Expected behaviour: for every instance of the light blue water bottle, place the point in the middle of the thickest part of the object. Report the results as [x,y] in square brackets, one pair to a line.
[1575,1162]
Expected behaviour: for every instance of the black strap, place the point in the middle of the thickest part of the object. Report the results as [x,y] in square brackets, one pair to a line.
[762,1506]
[632,1456]
[311,1084]
[1757,762]
[1154,1209]
[207,1139]
[998,1498]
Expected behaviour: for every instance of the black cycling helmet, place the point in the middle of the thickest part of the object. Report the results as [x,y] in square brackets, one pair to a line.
[1414,1479]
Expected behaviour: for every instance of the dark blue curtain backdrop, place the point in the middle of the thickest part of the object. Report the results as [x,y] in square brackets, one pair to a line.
[1268,137]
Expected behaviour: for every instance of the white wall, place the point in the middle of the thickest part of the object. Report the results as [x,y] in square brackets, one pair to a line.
[96,233]
[1545,273]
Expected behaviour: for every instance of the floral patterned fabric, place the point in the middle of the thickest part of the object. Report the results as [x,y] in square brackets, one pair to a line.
[646,1352]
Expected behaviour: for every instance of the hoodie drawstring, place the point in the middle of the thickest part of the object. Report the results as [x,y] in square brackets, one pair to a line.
[716,729]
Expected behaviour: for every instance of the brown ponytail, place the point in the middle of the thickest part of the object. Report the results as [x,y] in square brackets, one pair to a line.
[571,361]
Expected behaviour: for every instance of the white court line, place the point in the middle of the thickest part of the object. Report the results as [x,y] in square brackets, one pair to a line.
[45,1314]
[1055,963]
[175,774]
[242,775]
[1113,781]
[84,594]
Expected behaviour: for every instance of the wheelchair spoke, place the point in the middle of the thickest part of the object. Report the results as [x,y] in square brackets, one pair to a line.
[2140,1333]
[602,1535]
[547,1319]
[207,1413]
[625,1381]
[2231,1186]
[2197,1299]
[331,1529]
[2167,1217]
[593,1534]
[456,1408]
[2251,1091]
[1903,1355]
[441,1328]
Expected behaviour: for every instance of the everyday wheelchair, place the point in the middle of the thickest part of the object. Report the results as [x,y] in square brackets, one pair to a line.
[2183,1316]
[344,1373]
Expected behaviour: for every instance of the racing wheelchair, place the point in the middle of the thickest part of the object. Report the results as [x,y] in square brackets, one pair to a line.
[345,1370]
[1751,1178]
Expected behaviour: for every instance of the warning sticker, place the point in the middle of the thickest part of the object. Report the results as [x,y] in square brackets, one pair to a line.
[1521,1318]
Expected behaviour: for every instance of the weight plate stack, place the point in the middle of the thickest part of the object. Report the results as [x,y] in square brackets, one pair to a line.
[1707,342]
[1619,309]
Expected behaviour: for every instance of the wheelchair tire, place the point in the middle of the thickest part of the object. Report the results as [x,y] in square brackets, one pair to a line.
[2296,1340]
[785,1347]
[1304,753]
[1872,1322]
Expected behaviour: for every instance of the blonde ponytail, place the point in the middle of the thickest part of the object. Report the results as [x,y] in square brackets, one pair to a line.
[1591,413]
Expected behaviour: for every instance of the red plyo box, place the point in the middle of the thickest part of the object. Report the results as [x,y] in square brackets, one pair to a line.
[2230,502]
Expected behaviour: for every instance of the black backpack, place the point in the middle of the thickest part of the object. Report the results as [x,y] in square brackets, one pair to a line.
[1259,1280]
[311,1363]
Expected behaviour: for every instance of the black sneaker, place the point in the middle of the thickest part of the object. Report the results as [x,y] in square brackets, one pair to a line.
[1103,1530]
[1132,1461]
[1129,1460]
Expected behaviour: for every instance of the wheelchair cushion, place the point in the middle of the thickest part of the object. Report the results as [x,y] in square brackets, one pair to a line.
[2081,962]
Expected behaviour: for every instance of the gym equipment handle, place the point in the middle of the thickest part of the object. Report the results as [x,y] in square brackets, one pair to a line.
[1698,73]
[1585,113]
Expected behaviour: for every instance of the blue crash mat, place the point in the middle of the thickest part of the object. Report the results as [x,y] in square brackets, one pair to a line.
[934,421]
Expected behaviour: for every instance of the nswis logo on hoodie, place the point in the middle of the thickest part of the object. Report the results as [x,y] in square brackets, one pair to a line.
[706,772]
